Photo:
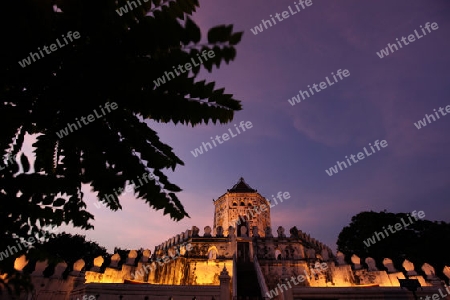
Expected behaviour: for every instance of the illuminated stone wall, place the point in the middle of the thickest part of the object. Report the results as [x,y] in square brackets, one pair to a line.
[185,271]
[194,260]
[208,272]
[197,261]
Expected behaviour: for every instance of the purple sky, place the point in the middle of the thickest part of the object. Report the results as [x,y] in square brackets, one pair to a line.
[290,147]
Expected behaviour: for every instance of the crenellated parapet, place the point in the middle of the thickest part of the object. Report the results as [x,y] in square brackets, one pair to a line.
[283,255]
[297,245]
[371,275]
[197,258]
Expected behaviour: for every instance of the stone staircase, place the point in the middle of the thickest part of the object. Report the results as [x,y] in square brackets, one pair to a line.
[247,282]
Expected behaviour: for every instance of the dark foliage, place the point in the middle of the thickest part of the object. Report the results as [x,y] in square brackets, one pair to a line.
[422,241]
[116,59]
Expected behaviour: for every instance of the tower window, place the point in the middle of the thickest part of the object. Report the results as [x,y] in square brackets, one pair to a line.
[234,204]
[242,203]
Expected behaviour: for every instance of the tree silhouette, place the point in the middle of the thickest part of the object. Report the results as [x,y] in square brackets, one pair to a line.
[420,242]
[67,60]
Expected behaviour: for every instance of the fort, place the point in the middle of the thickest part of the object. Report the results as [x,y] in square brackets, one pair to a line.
[246,262]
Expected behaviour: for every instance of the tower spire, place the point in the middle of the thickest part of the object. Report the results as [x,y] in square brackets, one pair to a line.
[241,187]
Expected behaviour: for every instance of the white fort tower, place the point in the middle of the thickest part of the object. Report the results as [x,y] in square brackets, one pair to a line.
[242,206]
